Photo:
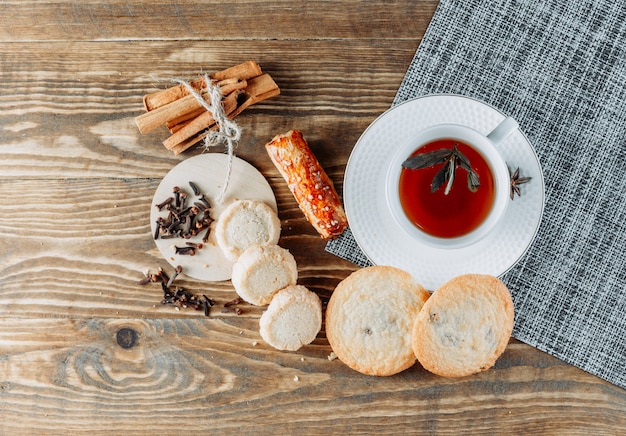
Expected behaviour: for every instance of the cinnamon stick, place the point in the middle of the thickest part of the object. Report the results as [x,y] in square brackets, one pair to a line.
[179,148]
[247,70]
[161,98]
[151,120]
[258,89]
[244,71]
[175,124]
[229,85]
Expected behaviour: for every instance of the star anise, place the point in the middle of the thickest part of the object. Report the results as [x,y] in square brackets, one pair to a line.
[516,180]
[451,158]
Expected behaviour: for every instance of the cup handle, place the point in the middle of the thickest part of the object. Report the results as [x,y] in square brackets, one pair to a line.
[503,130]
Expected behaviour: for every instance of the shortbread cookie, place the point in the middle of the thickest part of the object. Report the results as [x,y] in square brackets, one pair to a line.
[369,319]
[293,318]
[245,223]
[464,326]
[261,271]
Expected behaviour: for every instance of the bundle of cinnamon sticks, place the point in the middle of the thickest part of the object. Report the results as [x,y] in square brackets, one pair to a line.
[185,117]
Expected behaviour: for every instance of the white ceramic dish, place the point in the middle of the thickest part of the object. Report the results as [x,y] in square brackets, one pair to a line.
[385,242]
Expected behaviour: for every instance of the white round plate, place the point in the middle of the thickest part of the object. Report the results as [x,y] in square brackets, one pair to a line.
[208,172]
[376,231]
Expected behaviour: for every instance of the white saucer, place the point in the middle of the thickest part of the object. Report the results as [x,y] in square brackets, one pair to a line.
[208,172]
[376,231]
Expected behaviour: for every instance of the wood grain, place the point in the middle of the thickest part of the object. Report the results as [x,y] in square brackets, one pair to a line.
[201,375]
[212,20]
[77,180]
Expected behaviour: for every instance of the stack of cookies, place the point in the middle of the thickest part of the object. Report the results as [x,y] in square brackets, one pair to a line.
[266,274]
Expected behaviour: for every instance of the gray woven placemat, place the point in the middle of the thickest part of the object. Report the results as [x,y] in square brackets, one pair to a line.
[559,68]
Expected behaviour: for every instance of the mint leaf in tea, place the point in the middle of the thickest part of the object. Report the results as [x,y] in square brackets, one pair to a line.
[451,158]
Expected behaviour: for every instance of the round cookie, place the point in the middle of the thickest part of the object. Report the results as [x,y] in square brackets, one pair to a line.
[292,319]
[464,327]
[245,223]
[369,319]
[261,271]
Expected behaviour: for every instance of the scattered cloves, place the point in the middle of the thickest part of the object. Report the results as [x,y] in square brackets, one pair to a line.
[180,298]
[184,221]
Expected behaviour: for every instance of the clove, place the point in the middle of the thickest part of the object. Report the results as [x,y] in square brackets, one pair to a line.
[204,200]
[176,191]
[207,303]
[194,188]
[190,251]
[162,276]
[177,271]
[157,229]
[183,199]
[233,302]
[147,279]
[166,202]
[187,229]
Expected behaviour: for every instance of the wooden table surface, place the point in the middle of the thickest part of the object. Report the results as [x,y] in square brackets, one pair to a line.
[77,180]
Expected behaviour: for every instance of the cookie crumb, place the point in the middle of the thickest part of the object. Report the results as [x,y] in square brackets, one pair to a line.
[296,378]
[302,359]
[254,343]
[332,356]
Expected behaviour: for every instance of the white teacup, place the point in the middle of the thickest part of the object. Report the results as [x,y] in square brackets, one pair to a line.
[487,147]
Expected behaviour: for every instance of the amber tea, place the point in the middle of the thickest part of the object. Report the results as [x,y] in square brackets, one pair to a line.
[445,199]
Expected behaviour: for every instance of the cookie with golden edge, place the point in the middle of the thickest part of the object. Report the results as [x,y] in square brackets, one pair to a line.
[464,326]
[261,271]
[245,223]
[292,319]
[369,319]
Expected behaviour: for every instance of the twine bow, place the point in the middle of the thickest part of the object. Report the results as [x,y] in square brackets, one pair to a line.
[227,132]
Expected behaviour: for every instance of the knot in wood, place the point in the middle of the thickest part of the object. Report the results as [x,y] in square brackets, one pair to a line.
[126,337]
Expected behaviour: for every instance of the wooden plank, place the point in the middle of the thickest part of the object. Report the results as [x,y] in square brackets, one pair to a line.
[218,376]
[212,20]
